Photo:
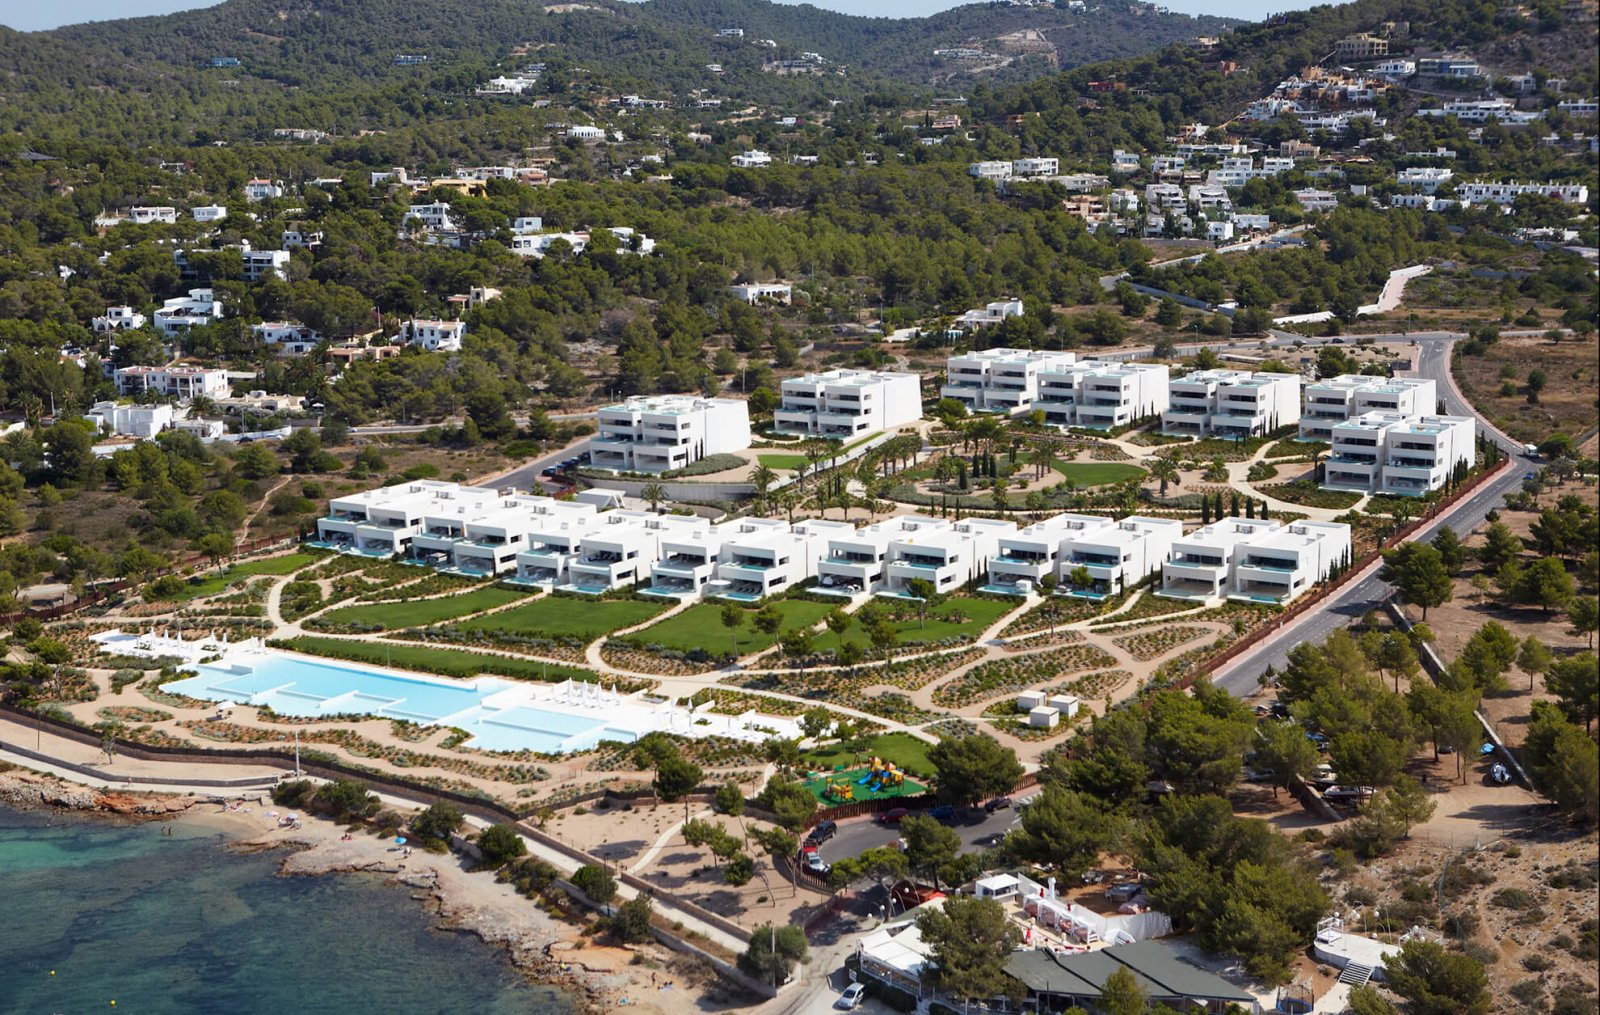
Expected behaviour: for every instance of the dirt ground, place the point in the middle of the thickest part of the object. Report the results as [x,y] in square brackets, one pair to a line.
[1568,402]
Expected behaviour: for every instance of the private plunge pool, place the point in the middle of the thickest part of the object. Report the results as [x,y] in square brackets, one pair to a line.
[499,714]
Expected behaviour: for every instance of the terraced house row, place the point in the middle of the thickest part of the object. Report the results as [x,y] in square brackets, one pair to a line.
[578,546]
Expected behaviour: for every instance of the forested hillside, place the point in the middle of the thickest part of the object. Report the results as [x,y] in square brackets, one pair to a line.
[330,63]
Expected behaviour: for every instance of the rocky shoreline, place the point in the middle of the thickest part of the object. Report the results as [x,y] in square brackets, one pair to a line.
[27,791]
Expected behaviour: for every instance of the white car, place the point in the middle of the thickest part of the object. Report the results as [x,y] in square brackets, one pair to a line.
[850,1000]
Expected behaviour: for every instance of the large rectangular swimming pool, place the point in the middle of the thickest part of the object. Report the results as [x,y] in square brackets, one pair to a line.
[291,685]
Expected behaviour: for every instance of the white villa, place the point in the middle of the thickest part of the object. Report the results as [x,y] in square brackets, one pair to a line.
[1117,554]
[289,338]
[1000,380]
[989,313]
[756,292]
[1231,403]
[1395,453]
[1279,566]
[1023,558]
[435,336]
[1070,391]
[1336,399]
[663,432]
[948,557]
[118,319]
[183,383]
[131,420]
[848,403]
[1200,565]
[181,313]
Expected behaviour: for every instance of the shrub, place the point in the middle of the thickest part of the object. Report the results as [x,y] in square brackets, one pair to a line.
[630,924]
[296,793]
[1513,898]
[1537,962]
[499,845]
[439,821]
[1528,991]
[595,882]
[739,870]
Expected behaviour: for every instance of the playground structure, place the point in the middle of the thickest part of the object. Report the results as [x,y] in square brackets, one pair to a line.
[883,775]
[839,791]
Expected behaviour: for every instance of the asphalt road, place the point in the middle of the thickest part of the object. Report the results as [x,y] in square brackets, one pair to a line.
[1241,676]
[857,835]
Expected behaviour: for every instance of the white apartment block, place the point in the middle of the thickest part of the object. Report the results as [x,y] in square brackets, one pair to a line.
[856,563]
[1036,167]
[584,132]
[686,562]
[1116,554]
[1200,565]
[1111,395]
[1231,403]
[616,553]
[435,336]
[1278,566]
[990,313]
[1329,402]
[383,522]
[183,383]
[261,264]
[118,319]
[262,190]
[555,540]
[288,338]
[1393,453]
[1313,200]
[1023,558]
[990,170]
[947,558]
[999,380]
[848,403]
[757,292]
[664,432]
[181,313]
[767,556]
[1507,193]
[131,420]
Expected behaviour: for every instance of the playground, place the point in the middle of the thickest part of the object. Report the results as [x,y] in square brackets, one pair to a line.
[880,780]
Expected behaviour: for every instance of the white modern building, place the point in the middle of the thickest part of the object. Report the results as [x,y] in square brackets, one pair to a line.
[152,215]
[1392,453]
[1231,403]
[759,292]
[181,313]
[209,212]
[848,403]
[948,558]
[766,556]
[755,158]
[585,132]
[435,336]
[1115,555]
[432,216]
[1333,400]
[989,314]
[999,380]
[131,420]
[1024,558]
[855,563]
[1278,566]
[262,190]
[1200,565]
[183,383]
[289,338]
[554,541]
[1111,395]
[663,432]
[118,319]
[1507,193]
[686,563]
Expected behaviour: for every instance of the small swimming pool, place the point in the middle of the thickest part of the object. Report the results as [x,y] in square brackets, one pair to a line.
[500,714]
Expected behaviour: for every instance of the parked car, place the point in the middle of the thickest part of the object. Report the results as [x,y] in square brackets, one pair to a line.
[894,815]
[1257,775]
[818,866]
[822,832]
[943,812]
[999,803]
[1347,793]
[1120,893]
[850,1000]
[551,471]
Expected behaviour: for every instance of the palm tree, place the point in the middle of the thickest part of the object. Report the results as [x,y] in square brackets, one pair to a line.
[1041,458]
[655,493]
[1166,470]
[762,479]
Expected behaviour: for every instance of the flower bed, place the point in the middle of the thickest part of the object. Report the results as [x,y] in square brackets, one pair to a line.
[897,707]
[566,650]
[1153,644]
[1308,494]
[1006,676]
[1068,609]
[1149,605]
[1298,450]
[844,686]
[707,752]
[1108,453]
[1043,639]
[132,714]
[729,702]
[626,656]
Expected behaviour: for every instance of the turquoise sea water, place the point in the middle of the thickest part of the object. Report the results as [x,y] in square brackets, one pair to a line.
[175,924]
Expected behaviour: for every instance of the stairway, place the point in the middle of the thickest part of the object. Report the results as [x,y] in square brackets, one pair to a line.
[1356,975]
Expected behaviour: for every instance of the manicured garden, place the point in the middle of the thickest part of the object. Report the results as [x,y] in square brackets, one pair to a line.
[1086,474]
[212,584]
[1308,494]
[953,618]
[700,627]
[442,661]
[906,751]
[562,617]
[420,612]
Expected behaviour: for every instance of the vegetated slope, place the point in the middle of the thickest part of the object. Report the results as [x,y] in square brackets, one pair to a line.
[335,59]
[1185,85]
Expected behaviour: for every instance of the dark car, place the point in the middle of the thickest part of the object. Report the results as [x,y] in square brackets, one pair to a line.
[551,471]
[894,815]
[823,831]
[943,812]
[999,803]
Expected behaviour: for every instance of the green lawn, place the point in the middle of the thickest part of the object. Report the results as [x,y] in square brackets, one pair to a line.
[980,613]
[560,617]
[422,612]
[791,463]
[903,749]
[212,584]
[444,661]
[1085,474]
[700,627]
